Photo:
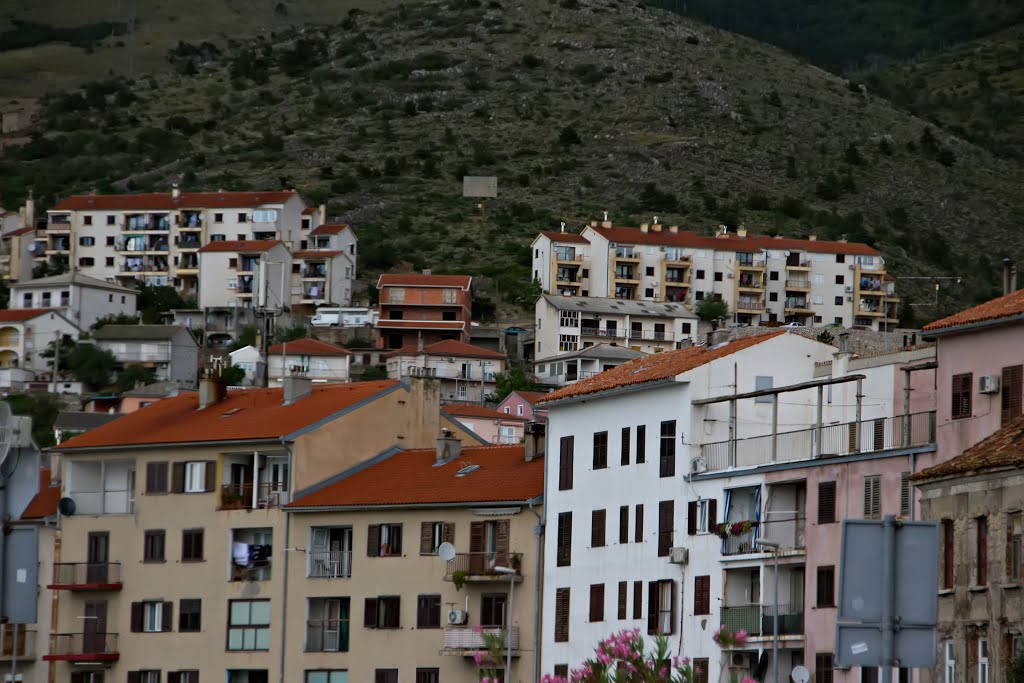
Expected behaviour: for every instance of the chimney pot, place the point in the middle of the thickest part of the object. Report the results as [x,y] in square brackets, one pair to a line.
[656,227]
[812,238]
[449,447]
[673,228]
[644,227]
[175,191]
[741,231]
[212,389]
[844,342]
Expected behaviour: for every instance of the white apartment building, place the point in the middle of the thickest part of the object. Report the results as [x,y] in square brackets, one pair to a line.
[324,267]
[762,279]
[234,270]
[572,323]
[24,335]
[573,366]
[316,360]
[466,372]
[84,299]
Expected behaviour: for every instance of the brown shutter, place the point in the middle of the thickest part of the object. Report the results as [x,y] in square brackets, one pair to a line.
[173,677]
[672,610]
[666,512]
[638,524]
[947,553]
[167,616]
[373,540]
[396,539]
[652,608]
[501,540]
[624,524]
[136,617]
[597,528]
[826,502]
[638,599]
[641,444]
[712,513]
[565,463]
[197,544]
[426,538]
[370,613]
[421,611]
[449,532]
[702,595]
[905,494]
[561,615]
[624,450]
[476,537]
[596,602]
[211,475]
[177,477]
[1012,393]
[563,555]
[691,518]
[623,597]
[133,677]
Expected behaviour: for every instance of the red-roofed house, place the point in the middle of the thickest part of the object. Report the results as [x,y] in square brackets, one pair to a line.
[423,308]
[493,426]
[318,360]
[559,260]
[466,371]
[524,404]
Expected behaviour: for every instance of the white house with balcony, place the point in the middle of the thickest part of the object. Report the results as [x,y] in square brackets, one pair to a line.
[24,335]
[324,268]
[83,299]
[466,371]
[312,358]
[170,350]
[573,366]
[234,274]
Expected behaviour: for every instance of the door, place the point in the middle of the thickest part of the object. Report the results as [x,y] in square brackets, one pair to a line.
[98,568]
[659,330]
[332,625]
[95,628]
[636,330]
[241,481]
[277,482]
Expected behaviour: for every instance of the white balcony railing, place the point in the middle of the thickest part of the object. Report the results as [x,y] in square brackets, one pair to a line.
[330,564]
[465,638]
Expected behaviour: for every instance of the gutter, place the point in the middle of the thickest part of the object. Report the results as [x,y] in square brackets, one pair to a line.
[287,563]
[618,391]
[163,444]
[416,506]
[942,331]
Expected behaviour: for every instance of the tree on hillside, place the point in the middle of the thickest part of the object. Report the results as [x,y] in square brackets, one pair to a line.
[711,309]
[115,319]
[135,375]
[43,409]
[91,365]
[515,379]
[233,375]
[155,301]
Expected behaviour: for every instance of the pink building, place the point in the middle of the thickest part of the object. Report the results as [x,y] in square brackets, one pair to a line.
[487,423]
[522,404]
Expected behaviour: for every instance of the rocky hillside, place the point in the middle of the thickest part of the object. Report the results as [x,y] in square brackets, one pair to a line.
[577,106]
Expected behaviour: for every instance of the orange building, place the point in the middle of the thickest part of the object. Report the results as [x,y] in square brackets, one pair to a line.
[416,308]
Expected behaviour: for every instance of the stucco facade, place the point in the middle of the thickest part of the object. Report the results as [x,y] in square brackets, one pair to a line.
[84,300]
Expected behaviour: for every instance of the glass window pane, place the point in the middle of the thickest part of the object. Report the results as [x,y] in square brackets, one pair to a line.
[262,638]
[235,639]
[339,677]
[316,677]
[239,613]
[260,612]
[248,639]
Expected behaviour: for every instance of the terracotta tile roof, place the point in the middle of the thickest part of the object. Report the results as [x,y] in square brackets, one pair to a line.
[1005,306]
[242,415]
[44,503]
[531,397]
[655,367]
[685,238]
[19,232]
[239,245]
[420,280]
[329,229]
[447,347]
[163,201]
[18,315]
[566,237]
[413,478]
[422,324]
[317,253]
[308,347]
[309,211]
[474,410]
[1003,449]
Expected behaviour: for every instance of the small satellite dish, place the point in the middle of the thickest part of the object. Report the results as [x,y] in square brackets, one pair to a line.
[6,430]
[800,674]
[66,507]
[446,551]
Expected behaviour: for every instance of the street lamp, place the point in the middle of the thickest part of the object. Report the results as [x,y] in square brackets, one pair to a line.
[511,573]
[773,548]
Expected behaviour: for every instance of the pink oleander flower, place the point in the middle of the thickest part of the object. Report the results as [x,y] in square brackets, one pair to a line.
[478,629]
[604,659]
[748,679]
[697,671]
[478,658]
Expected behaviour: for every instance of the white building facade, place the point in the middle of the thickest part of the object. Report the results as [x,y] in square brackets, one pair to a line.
[83,299]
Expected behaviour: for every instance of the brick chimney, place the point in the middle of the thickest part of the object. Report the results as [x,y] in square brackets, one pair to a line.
[175,191]
[534,441]
[296,387]
[812,238]
[673,229]
[741,231]
[449,447]
[212,389]
[1009,276]
[645,227]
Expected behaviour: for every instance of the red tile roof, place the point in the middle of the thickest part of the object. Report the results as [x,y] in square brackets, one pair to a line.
[308,347]
[44,504]
[566,237]
[474,410]
[658,366]
[1005,306]
[1003,449]
[20,231]
[531,397]
[316,253]
[420,280]
[163,201]
[422,324]
[329,229]
[414,478]
[242,415]
[18,315]
[446,347]
[239,245]
[685,238]
[309,211]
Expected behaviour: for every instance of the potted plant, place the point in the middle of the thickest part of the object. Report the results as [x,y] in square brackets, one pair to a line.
[516,561]
[232,500]
[459,579]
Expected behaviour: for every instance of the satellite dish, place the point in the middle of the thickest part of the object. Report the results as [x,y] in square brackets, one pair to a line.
[6,430]
[446,551]
[800,674]
[66,507]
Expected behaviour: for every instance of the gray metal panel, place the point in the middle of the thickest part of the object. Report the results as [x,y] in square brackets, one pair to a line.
[479,186]
[862,646]
[21,575]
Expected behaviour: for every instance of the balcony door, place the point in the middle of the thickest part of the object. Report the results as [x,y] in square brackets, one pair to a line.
[98,558]
[95,628]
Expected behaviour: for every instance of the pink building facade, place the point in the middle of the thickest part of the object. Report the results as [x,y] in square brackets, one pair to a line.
[521,404]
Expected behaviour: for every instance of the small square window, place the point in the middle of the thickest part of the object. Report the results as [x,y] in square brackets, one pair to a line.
[242,217]
[110,220]
[699,296]
[110,240]
[840,279]
[649,293]
[218,218]
[839,301]
[700,274]
[650,271]
[817,318]
[718,277]
[838,320]
[153,546]
[86,220]
[110,262]
[773,296]
[773,275]
[840,258]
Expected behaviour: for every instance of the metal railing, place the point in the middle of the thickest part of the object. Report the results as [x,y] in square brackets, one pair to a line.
[784,527]
[749,304]
[85,573]
[797,303]
[330,564]
[240,496]
[757,620]
[483,564]
[327,635]
[884,433]
[71,644]
[18,641]
[465,638]
[797,283]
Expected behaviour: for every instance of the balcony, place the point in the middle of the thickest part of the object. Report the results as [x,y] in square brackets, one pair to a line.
[881,434]
[249,497]
[147,223]
[314,274]
[796,284]
[798,306]
[189,244]
[464,641]
[651,335]
[798,264]
[569,257]
[757,620]
[751,264]
[626,256]
[83,647]
[18,643]
[330,564]
[480,566]
[86,576]
[748,305]
[627,274]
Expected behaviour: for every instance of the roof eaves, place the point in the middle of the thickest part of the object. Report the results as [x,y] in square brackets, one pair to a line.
[345,474]
[411,506]
[162,444]
[615,391]
[348,409]
[967,327]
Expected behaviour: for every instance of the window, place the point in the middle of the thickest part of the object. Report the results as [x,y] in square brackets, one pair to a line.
[838,320]
[153,546]
[263,215]
[156,477]
[242,218]
[561,615]
[568,342]
[190,617]
[761,383]
[701,516]
[195,476]
[85,262]
[110,220]
[26,300]
[385,676]
[661,607]
[563,554]
[666,514]
[826,596]
[492,609]
[519,410]
[597,528]
[718,276]
[382,612]
[1013,546]
[773,296]
[110,261]
[702,595]
[561,671]
[1012,393]
[947,554]
[773,275]
[569,319]
[641,444]
[981,551]
[427,675]
[623,598]
[141,676]
[826,502]
[624,524]
[232,263]
[87,241]
[596,602]
[950,664]
[700,296]
[565,456]
[650,271]
[326,676]
[248,624]
[840,279]
[151,617]
[838,301]
[962,386]
[872,497]
[823,667]
[185,676]
[428,611]
[667,453]
[638,599]
[192,545]
[328,623]
[433,534]
[218,218]
[600,450]
[384,540]
[983,660]
[649,292]
[624,448]
[86,220]
[638,524]
[700,664]
[102,487]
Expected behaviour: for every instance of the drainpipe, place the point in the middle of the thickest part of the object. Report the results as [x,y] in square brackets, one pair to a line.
[538,531]
[287,541]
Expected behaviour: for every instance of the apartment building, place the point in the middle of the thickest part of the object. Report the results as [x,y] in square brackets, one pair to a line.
[16,258]
[737,432]
[312,358]
[466,371]
[324,267]
[372,599]
[566,368]
[424,307]
[762,279]
[81,298]
[25,334]
[170,350]
[571,323]
[176,557]
[238,273]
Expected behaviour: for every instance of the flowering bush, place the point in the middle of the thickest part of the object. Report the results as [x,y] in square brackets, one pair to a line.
[728,640]
[725,530]
[492,660]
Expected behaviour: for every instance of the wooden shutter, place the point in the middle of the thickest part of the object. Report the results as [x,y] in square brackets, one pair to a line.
[449,533]
[982,557]
[1012,393]
[666,512]
[691,518]
[597,528]
[561,615]
[825,594]
[962,388]
[210,480]
[134,677]
[826,502]
[652,608]
[373,540]
[197,544]
[167,616]
[396,539]
[186,545]
[905,494]
[851,436]
[871,497]
[624,454]
[672,608]
[476,537]
[879,434]
[136,617]
[156,477]
[641,444]
[370,613]
[563,555]
[638,599]
[177,477]
[624,524]
[638,524]
[426,538]
[565,459]
[623,597]
[596,602]
[702,595]
[501,539]
[173,677]
[712,513]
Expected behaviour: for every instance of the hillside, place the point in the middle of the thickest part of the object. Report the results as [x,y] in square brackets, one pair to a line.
[577,107]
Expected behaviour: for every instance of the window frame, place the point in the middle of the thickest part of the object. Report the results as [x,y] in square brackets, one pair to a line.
[186,613]
[962,395]
[600,452]
[189,543]
[825,586]
[153,540]
[255,628]
[667,449]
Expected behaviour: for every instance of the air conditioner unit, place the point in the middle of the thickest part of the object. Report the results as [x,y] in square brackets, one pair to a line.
[988,384]
[732,276]
[679,555]
[457,617]
[853,267]
[848,288]
[697,465]
[232,284]
[849,298]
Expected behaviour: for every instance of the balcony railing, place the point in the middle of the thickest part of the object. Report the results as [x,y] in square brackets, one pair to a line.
[17,641]
[465,638]
[330,564]
[757,620]
[240,496]
[902,431]
[328,635]
[86,576]
[798,284]
[481,565]
[83,647]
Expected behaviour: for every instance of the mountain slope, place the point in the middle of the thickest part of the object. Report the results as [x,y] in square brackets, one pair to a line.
[577,107]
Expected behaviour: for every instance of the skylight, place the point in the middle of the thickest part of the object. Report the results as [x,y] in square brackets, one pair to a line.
[468,469]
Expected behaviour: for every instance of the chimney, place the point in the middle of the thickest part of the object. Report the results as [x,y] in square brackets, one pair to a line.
[1009,276]
[842,238]
[723,231]
[812,238]
[296,387]
[673,229]
[656,227]
[212,389]
[644,227]
[606,223]
[686,343]
[30,212]
[719,336]
[175,191]
[593,224]
[741,231]
[563,227]
[419,342]
[534,441]
[844,342]
[322,211]
[449,447]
